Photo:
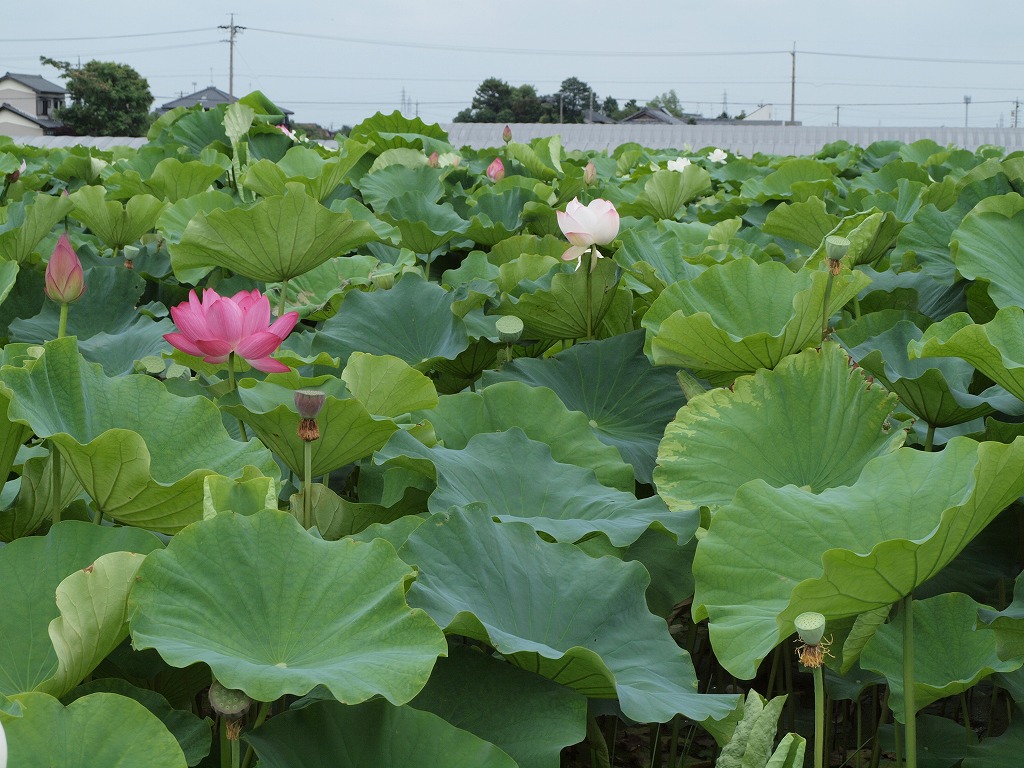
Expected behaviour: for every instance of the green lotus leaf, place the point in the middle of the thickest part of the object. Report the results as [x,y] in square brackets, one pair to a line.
[274,611]
[497,214]
[1008,625]
[518,480]
[986,245]
[245,495]
[627,400]
[807,222]
[102,730]
[541,416]
[666,193]
[554,610]
[995,348]
[348,432]
[738,317]
[327,734]
[751,742]
[27,222]
[541,157]
[397,130]
[115,435]
[412,321]
[514,247]
[337,517]
[114,223]
[192,734]
[845,550]
[723,438]
[560,311]
[406,156]
[871,234]
[302,165]
[171,179]
[317,294]
[528,716]
[950,655]
[425,225]
[273,240]
[175,218]
[381,187]
[387,386]
[796,179]
[936,389]
[1002,750]
[663,251]
[34,504]
[31,570]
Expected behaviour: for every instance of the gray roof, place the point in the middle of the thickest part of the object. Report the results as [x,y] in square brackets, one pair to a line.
[209,97]
[651,115]
[36,83]
[43,122]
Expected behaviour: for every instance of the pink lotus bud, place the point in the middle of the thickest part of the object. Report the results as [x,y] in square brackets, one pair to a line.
[288,132]
[496,170]
[433,160]
[506,135]
[589,173]
[65,282]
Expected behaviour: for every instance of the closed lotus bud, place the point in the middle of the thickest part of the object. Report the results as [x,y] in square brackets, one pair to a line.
[506,135]
[589,173]
[433,160]
[65,282]
[228,701]
[496,170]
[510,329]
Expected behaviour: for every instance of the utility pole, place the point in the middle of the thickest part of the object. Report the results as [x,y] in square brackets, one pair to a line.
[837,115]
[792,88]
[591,117]
[1016,110]
[725,103]
[233,30]
[561,100]
[967,104]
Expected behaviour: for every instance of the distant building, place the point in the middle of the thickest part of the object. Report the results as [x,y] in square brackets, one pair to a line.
[209,98]
[28,104]
[653,115]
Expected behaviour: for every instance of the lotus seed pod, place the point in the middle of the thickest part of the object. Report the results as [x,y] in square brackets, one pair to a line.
[308,402]
[228,701]
[836,247]
[510,329]
[382,281]
[810,626]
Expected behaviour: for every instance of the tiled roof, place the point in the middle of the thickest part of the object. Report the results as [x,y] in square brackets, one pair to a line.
[208,97]
[43,122]
[36,83]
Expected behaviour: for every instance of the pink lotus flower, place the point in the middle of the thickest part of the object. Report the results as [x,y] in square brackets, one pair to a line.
[65,282]
[496,170]
[433,160]
[587,226]
[288,132]
[589,173]
[219,325]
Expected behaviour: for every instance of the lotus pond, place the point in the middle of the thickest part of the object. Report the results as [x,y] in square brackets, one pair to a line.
[401,454]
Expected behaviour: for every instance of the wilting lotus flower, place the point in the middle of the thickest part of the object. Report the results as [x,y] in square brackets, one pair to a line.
[496,170]
[506,135]
[13,176]
[219,325]
[64,280]
[679,164]
[433,160]
[718,156]
[587,226]
[288,132]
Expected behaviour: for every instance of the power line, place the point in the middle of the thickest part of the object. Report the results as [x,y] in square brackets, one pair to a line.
[99,37]
[927,59]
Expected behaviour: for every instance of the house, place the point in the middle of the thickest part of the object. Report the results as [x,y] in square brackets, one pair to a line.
[652,115]
[208,97]
[28,104]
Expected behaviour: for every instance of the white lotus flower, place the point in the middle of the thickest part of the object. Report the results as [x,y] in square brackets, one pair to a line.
[3,747]
[679,164]
[718,156]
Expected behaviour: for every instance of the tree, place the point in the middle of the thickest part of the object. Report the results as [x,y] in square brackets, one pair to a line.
[610,106]
[107,99]
[669,102]
[492,103]
[575,96]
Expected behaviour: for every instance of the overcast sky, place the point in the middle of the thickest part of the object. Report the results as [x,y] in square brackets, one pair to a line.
[338,62]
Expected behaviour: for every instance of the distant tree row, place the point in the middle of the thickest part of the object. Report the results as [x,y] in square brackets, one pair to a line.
[496,101]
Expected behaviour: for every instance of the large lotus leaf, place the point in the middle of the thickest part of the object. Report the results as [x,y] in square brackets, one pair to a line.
[27,222]
[116,224]
[317,294]
[102,730]
[348,432]
[273,240]
[274,611]
[34,503]
[519,480]
[796,179]
[935,389]
[397,130]
[31,569]
[140,452]
[871,234]
[666,193]
[661,250]
[995,348]
[528,716]
[986,246]
[807,223]
[327,734]
[171,179]
[319,175]
[627,400]
[541,415]
[812,422]
[560,311]
[552,609]
[387,386]
[1008,624]
[740,316]
[192,734]
[846,550]
[412,321]
[175,218]
[381,187]
[425,225]
[1003,750]
[950,655]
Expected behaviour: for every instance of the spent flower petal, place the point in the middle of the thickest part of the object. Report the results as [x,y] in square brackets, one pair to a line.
[65,282]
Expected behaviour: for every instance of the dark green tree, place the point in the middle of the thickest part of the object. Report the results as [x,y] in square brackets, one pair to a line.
[107,99]
[610,106]
[575,96]
[527,106]
[492,103]
[669,101]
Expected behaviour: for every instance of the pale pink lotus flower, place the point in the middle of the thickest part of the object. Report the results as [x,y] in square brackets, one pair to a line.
[589,173]
[433,160]
[288,132]
[65,282]
[218,325]
[496,170]
[588,226]
[679,164]
[718,156]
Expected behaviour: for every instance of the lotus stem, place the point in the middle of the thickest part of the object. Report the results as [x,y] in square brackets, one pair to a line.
[598,746]
[909,698]
[929,438]
[62,326]
[55,482]
[824,308]
[231,388]
[590,305]
[819,718]
[261,715]
[307,480]
[966,715]
[282,300]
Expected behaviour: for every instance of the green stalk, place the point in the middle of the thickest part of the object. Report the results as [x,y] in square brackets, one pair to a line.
[236,753]
[929,438]
[62,327]
[281,301]
[909,699]
[824,309]
[598,746]
[967,716]
[307,479]
[261,715]
[590,303]
[231,388]
[55,483]
[819,718]
[225,749]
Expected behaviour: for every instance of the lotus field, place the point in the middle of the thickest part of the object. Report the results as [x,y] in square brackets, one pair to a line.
[400,454]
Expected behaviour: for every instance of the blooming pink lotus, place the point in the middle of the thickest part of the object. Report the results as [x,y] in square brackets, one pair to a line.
[65,282]
[218,326]
[496,170]
[587,226]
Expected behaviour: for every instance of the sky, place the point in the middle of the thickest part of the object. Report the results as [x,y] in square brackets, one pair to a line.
[892,63]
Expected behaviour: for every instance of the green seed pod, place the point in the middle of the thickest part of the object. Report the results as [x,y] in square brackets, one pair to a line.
[836,247]
[510,329]
[227,701]
[810,626]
